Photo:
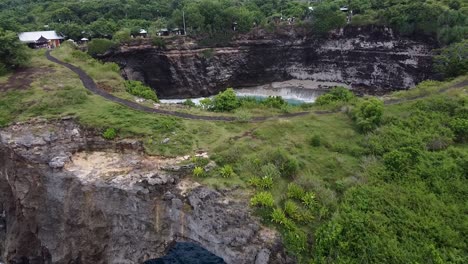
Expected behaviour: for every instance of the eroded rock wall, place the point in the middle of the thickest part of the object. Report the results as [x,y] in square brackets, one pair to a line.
[369,60]
[68,196]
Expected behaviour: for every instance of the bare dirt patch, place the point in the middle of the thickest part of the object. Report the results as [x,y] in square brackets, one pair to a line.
[22,78]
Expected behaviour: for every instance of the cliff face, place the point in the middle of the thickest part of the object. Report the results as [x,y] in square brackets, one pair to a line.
[371,60]
[67,196]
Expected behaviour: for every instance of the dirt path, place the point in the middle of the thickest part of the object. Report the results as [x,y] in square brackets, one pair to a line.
[89,84]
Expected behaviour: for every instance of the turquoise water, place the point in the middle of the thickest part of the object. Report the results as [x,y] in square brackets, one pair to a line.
[257,97]
[263,98]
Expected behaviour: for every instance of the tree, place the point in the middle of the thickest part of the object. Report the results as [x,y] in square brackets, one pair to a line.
[453,60]
[226,101]
[99,46]
[327,17]
[13,53]
[368,114]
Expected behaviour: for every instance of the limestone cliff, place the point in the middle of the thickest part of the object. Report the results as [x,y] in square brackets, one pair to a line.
[68,196]
[369,60]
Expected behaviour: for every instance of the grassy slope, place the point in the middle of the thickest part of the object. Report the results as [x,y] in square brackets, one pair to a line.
[343,164]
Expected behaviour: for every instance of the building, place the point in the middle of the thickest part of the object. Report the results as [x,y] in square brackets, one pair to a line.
[143,33]
[41,39]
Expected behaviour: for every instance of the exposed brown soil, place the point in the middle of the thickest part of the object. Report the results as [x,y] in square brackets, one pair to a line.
[22,78]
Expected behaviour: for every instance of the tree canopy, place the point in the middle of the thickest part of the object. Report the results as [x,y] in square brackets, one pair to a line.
[447,20]
[13,54]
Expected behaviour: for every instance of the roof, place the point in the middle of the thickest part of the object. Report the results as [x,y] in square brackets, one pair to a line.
[42,40]
[142,31]
[31,37]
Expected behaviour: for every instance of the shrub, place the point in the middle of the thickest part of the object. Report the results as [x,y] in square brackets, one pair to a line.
[206,103]
[225,101]
[159,42]
[200,161]
[137,88]
[295,241]
[109,134]
[100,46]
[460,127]
[296,213]
[308,200]
[397,161]
[453,60]
[315,141]
[274,102]
[270,170]
[368,114]
[291,209]
[278,217]
[264,182]
[295,191]
[286,164]
[198,172]
[189,103]
[122,36]
[337,94]
[262,199]
[227,171]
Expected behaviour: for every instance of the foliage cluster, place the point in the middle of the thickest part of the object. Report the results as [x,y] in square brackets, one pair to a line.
[137,88]
[102,19]
[368,114]
[409,212]
[100,46]
[109,134]
[13,54]
[335,95]
[453,60]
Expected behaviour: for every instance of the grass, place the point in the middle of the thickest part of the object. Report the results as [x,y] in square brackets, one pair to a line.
[4,78]
[332,157]
[427,88]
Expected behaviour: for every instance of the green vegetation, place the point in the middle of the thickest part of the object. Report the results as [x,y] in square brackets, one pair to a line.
[13,54]
[226,171]
[109,134]
[263,199]
[443,19]
[453,60]
[225,101]
[198,172]
[159,42]
[373,183]
[100,46]
[137,88]
[368,114]
[336,95]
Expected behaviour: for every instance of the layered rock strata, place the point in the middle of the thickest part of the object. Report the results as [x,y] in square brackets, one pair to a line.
[68,196]
[371,60]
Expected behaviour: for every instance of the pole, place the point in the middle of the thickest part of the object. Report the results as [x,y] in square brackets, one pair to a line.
[183,16]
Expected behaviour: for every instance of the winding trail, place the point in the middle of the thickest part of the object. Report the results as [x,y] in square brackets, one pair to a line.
[89,84]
